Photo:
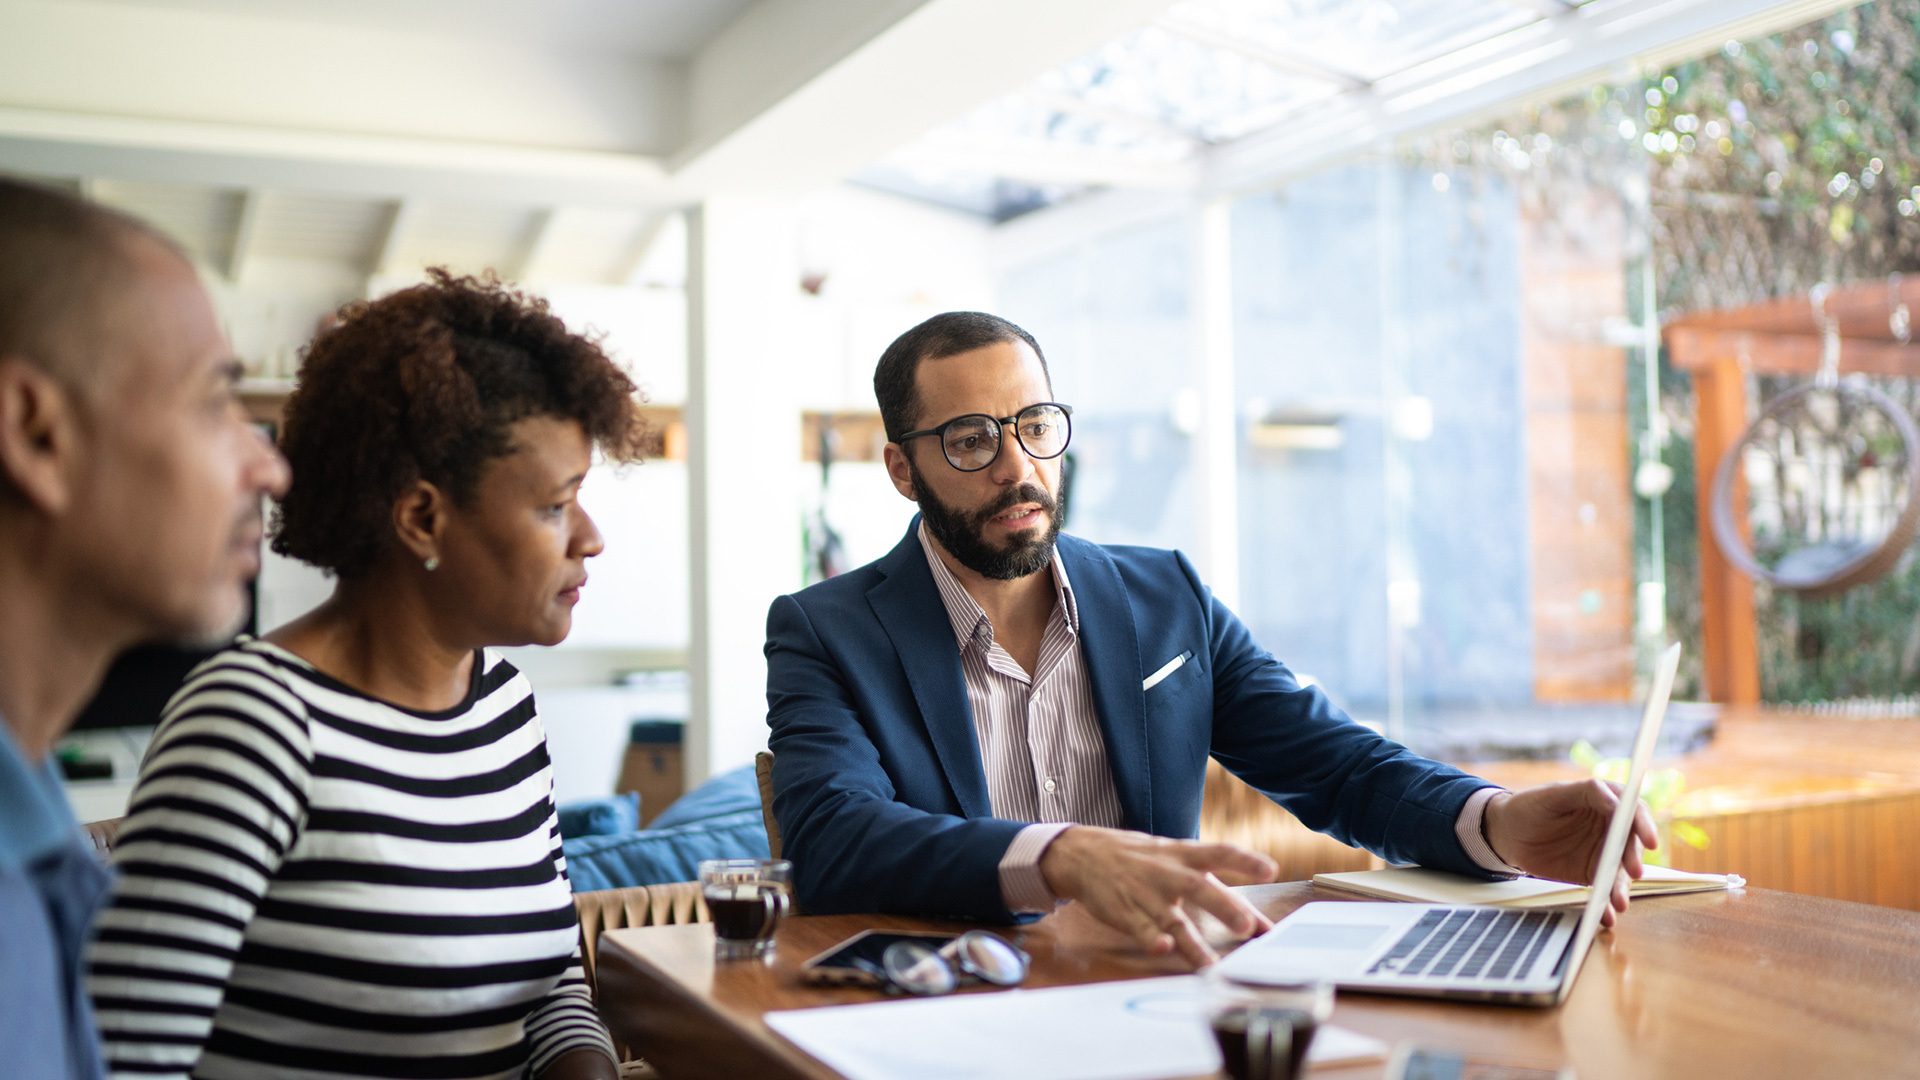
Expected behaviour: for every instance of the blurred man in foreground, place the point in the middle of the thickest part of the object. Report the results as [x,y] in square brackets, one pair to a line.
[130,488]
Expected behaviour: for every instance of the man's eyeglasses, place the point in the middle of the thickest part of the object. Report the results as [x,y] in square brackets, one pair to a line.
[976,956]
[972,442]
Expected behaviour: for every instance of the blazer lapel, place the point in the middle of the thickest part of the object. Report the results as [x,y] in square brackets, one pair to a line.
[910,610]
[1111,648]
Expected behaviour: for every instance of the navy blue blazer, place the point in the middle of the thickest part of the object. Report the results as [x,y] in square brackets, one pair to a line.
[877,778]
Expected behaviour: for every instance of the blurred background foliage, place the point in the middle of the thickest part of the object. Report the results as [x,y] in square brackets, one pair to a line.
[1759,170]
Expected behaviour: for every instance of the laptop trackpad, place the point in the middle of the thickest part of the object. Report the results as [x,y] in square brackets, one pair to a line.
[1333,937]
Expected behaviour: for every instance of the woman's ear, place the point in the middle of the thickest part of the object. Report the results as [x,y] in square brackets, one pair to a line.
[420,520]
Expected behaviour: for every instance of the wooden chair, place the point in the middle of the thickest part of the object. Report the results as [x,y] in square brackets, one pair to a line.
[103,834]
[642,905]
[763,771]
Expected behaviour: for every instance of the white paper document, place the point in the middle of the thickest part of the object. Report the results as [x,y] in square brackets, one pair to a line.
[1145,1029]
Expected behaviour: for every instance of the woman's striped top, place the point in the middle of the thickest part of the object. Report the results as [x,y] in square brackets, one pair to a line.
[317,884]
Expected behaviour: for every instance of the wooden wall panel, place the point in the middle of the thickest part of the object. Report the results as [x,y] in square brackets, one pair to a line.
[1817,806]
[1857,848]
[1233,813]
[1578,491]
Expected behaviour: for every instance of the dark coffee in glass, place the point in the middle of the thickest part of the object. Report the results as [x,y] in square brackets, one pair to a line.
[756,916]
[745,898]
[1262,1042]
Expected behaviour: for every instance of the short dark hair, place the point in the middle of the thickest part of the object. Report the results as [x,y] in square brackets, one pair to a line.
[423,384]
[951,333]
[61,259]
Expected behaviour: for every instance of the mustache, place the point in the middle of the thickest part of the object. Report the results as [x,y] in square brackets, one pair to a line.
[1012,497]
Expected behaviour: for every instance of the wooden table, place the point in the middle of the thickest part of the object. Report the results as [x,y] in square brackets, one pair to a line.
[1746,985]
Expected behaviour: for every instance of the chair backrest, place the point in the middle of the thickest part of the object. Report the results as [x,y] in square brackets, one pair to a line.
[763,771]
[641,905]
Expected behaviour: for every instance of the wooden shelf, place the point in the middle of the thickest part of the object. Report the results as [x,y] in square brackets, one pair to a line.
[854,436]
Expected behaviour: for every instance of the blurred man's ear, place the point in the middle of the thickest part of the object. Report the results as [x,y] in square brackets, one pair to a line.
[39,436]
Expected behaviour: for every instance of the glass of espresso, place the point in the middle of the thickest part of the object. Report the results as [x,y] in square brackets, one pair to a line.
[1264,1031]
[746,898]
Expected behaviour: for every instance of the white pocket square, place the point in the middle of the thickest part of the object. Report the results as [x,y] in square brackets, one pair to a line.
[1166,669]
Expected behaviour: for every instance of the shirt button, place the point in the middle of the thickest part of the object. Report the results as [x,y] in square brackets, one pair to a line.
[1048,786]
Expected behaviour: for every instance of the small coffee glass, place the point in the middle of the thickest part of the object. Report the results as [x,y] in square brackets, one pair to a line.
[1264,1031]
[746,898]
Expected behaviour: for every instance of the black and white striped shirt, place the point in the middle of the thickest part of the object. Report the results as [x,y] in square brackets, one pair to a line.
[317,884]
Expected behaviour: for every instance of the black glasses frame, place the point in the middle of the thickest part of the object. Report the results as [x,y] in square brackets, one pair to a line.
[999,421]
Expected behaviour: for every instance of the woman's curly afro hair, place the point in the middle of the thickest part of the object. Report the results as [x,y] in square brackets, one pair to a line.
[425,384]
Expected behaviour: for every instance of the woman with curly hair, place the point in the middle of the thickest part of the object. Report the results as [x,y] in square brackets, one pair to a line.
[342,857]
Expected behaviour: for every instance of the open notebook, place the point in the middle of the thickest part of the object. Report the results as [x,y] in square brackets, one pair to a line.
[1422,886]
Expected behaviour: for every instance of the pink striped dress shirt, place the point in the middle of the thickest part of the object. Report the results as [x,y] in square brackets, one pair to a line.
[1040,741]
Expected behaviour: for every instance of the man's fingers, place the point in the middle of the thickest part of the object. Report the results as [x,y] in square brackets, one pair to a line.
[1234,865]
[1602,795]
[1188,941]
[1643,826]
[1238,915]
[1136,919]
[1632,864]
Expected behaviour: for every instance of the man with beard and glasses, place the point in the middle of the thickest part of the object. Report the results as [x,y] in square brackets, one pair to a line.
[130,490]
[995,718]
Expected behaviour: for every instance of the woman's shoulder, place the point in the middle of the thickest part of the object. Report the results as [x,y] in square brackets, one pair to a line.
[252,683]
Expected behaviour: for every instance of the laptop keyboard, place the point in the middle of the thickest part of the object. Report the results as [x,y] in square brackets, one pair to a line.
[1468,943]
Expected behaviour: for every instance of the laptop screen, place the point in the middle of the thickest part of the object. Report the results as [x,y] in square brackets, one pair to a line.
[1621,827]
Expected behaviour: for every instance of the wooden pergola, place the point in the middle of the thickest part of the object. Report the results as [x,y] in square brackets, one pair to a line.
[1720,348]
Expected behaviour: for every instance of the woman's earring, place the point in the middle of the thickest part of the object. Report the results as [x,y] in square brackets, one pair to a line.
[433,563]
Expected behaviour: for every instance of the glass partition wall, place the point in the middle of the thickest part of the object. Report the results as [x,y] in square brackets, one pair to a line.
[1440,379]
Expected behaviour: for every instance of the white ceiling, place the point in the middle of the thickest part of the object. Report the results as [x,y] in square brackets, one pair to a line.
[654,29]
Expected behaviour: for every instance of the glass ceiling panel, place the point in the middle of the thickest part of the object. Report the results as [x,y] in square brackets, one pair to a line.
[1369,39]
[1205,93]
[1208,72]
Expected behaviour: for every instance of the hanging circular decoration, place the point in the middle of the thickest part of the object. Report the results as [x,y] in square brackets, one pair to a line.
[1833,479]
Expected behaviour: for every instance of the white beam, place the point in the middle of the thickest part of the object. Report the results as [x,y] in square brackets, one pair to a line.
[524,264]
[1038,162]
[797,92]
[226,155]
[743,445]
[1271,57]
[252,68]
[385,257]
[648,235]
[246,225]
[1216,451]
[1549,8]
[1539,61]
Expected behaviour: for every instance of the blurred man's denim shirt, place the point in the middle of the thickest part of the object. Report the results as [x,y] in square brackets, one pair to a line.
[51,883]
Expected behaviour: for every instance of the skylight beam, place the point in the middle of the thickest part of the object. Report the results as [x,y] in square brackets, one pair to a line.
[1549,8]
[1262,54]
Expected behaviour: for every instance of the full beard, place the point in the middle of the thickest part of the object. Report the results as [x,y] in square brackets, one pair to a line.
[963,533]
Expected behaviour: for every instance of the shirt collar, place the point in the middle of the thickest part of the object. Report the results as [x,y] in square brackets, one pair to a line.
[35,819]
[968,618]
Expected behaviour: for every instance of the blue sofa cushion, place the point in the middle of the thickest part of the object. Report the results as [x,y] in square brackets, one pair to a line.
[727,793]
[610,815]
[656,856]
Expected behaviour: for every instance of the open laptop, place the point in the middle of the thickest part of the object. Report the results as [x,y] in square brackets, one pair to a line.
[1518,957]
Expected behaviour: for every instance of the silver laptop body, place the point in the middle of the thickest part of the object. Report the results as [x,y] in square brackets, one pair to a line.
[1516,956]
